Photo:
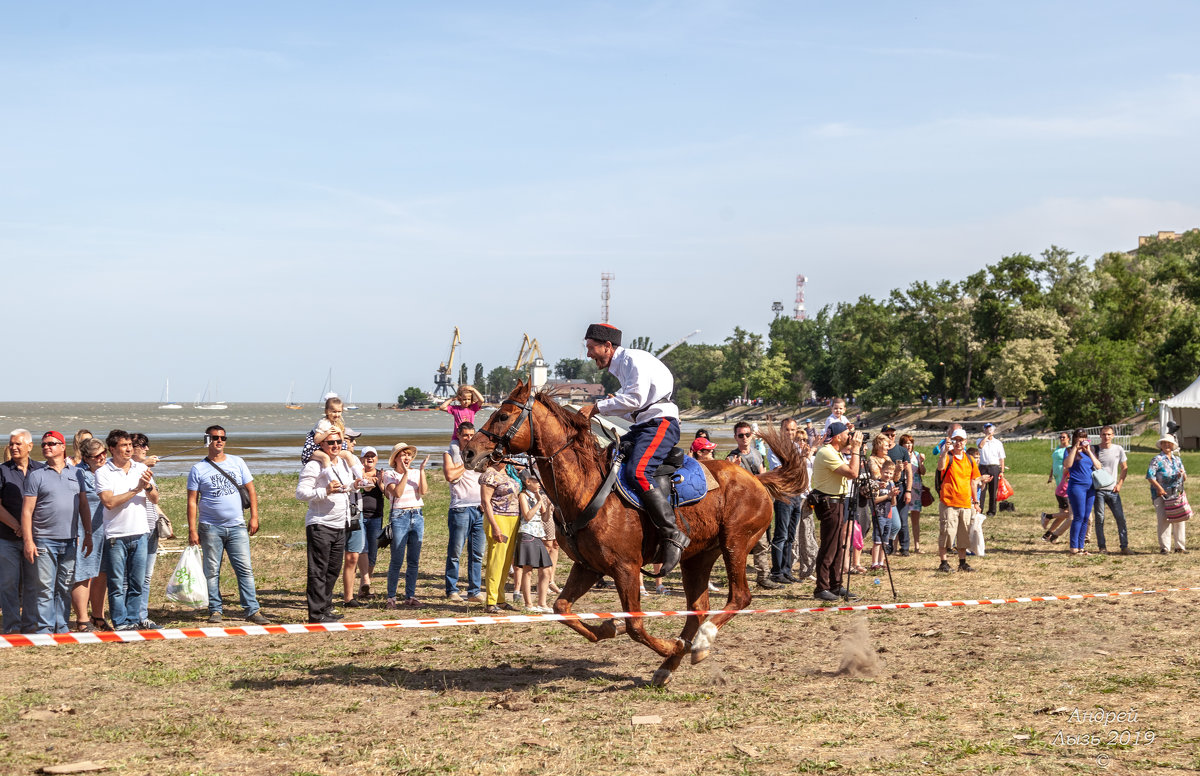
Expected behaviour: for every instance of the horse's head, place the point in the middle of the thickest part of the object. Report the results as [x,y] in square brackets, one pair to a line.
[507,431]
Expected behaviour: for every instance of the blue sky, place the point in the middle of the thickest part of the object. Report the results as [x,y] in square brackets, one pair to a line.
[257,193]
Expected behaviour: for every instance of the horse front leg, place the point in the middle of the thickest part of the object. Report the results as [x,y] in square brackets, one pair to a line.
[629,590]
[579,581]
[739,598]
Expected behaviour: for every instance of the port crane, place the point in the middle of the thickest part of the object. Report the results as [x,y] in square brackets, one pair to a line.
[444,378]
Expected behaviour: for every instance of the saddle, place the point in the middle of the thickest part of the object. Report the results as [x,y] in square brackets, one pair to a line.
[690,480]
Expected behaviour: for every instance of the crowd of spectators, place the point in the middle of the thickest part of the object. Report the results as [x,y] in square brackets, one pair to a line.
[79,529]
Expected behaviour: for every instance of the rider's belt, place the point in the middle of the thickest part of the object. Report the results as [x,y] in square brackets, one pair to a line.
[664,400]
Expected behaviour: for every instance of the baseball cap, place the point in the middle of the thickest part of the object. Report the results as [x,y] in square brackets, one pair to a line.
[700,443]
[887,427]
[352,433]
[958,434]
[837,428]
[55,435]
[368,450]
[989,425]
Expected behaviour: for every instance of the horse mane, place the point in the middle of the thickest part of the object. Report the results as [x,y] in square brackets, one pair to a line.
[790,479]
[579,428]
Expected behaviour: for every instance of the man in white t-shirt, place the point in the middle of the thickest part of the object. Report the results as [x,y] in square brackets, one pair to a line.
[991,461]
[1115,462]
[122,484]
[465,521]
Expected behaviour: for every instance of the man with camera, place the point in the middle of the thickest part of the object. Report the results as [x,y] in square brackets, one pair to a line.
[831,476]
[215,522]
[959,476]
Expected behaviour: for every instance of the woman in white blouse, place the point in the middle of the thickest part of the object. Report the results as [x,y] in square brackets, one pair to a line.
[329,491]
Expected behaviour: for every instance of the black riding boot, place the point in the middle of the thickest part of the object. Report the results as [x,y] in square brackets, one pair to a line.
[658,507]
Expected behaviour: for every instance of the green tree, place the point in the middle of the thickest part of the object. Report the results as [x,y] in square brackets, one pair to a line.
[771,380]
[411,397]
[930,320]
[1097,382]
[1022,366]
[743,354]
[902,380]
[863,341]
[501,381]
[479,378]
[570,368]
[695,366]
[641,343]
[805,346]
[720,392]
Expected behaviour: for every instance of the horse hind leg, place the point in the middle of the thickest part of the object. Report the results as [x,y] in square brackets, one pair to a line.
[579,581]
[739,598]
[696,571]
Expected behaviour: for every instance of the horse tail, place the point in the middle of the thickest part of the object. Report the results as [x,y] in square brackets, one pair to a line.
[790,478]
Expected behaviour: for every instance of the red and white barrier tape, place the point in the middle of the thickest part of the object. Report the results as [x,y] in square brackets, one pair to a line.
[168,634]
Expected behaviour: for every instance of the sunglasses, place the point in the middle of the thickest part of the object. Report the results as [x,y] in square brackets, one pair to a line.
[215,438]
[745,436]
[51,443]
[332,442]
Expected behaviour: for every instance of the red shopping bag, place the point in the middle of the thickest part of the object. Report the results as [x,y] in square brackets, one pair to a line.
[1004,491]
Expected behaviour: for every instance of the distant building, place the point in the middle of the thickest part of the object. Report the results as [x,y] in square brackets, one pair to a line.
[1144,239]
[577,391]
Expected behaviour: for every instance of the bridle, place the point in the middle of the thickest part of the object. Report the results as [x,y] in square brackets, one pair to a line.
[501,441]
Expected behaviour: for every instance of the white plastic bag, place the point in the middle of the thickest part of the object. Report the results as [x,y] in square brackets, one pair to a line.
[188,585]
[975,542]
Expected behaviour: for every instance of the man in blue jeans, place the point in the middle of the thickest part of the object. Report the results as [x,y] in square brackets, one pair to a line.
[1116,463]
[55,509]
[122,485]
[465,521]
[215,522]
[12,484]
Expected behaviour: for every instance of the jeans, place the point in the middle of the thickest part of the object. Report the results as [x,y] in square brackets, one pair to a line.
[373,526]
[151,560]
[902,511]
[1113,500]
[886,528]
[234,541]
[126,579]
[1081,497]
[11,563]
[408,531]
[466,527]
[787,516]
[47,592]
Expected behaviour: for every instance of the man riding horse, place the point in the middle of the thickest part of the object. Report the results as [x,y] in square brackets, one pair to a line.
[645,399]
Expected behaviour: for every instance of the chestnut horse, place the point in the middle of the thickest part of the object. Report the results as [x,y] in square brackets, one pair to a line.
[619,540]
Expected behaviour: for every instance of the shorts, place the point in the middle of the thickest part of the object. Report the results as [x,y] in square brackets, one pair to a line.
[953,525]
[1064,505]
[356,541]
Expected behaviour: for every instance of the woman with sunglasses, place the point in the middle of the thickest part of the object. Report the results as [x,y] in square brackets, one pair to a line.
[326,489]
[91,583]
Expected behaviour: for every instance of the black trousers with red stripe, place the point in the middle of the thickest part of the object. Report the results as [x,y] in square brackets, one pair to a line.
[651,441]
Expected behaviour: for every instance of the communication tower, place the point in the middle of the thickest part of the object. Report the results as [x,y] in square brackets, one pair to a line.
[799,313]
[606,278]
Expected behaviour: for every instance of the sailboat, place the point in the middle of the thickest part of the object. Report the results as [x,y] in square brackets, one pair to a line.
[203,403]
[350,405]
[290,404]
[167,404]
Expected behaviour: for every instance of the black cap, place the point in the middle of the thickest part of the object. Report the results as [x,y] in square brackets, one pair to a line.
[603,332]
[887,428]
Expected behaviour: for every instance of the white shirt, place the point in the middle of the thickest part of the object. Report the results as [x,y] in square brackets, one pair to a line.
[829,421]
[325,508]
[991,452]
[129,519]
[644,381]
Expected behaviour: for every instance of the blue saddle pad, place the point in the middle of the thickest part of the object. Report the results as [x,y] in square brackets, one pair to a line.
[690,484]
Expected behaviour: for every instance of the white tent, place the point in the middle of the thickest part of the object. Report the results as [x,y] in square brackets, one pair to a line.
[1184,409]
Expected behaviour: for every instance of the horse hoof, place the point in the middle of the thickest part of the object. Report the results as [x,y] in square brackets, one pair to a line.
[660,678]
[698,656]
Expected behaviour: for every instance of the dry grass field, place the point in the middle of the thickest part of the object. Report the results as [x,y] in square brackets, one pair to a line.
[963,690]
